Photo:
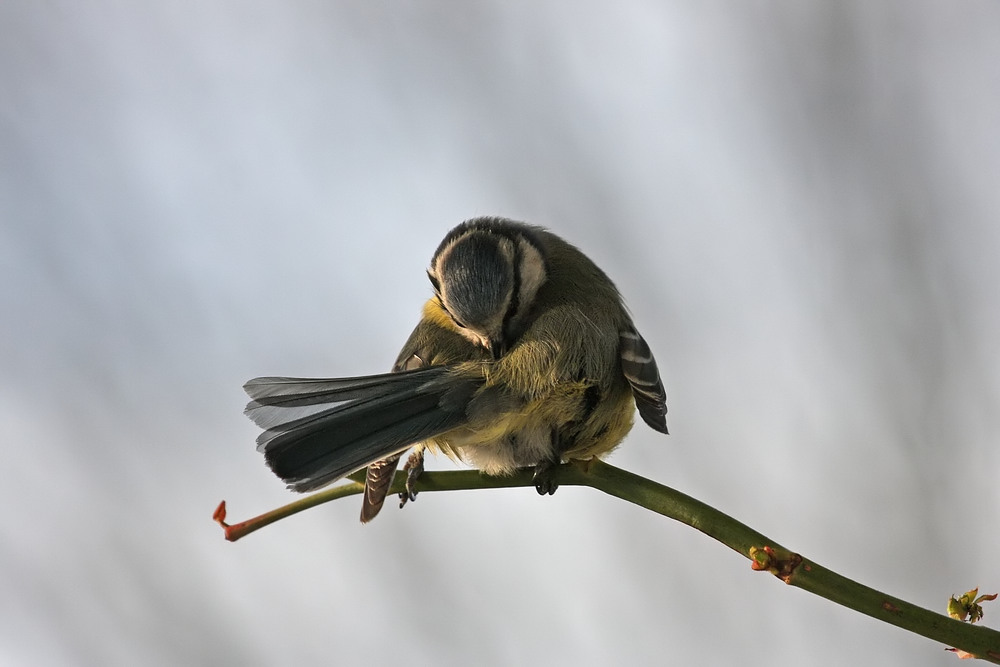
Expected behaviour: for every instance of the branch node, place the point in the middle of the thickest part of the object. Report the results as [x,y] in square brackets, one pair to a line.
[890,607]
[779,562]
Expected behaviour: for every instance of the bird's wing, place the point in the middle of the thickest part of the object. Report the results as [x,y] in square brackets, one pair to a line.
[641,372]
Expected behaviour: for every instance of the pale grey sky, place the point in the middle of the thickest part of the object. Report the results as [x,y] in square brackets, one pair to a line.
[799,201]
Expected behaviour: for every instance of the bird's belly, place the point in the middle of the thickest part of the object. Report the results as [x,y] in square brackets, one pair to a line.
[501,447]
[538,433]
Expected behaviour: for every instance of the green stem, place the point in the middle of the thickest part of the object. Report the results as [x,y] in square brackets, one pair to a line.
[764,553]
[790,567]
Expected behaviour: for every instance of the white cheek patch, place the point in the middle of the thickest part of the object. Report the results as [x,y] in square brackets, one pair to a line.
[472,337]
[533,273]
[432,275]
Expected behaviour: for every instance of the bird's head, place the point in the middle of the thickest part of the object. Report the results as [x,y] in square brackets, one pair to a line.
[486,274]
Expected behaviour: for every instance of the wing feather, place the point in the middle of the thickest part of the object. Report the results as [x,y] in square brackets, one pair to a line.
[640,370]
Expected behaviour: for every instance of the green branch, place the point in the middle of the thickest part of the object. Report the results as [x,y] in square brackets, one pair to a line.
[765,554]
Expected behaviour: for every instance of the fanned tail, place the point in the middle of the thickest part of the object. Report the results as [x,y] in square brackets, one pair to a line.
[318,430]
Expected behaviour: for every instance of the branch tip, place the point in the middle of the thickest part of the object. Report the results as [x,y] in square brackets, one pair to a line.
[219,515]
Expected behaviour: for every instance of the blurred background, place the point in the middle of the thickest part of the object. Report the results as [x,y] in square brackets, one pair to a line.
[799,200]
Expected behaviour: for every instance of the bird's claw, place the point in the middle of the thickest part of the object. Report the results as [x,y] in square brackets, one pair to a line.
[545,478]
[414,468]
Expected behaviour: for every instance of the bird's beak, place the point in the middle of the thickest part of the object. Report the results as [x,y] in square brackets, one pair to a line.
[496,348]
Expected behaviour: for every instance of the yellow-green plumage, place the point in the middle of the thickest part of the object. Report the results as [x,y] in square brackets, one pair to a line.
[541,384]
[524,357]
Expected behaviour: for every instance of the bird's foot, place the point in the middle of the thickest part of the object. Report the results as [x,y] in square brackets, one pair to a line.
[545,477]
[414,468]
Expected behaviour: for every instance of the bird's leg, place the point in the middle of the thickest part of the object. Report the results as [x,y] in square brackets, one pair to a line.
[545,470]
[414,468]
[544,477]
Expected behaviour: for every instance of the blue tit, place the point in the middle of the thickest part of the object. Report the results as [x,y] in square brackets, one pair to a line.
[525,357]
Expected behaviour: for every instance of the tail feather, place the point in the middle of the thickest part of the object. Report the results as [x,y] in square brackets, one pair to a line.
[371,418]
[284,404]
[287,392]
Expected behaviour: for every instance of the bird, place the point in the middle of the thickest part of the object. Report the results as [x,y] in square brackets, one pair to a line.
[525,357]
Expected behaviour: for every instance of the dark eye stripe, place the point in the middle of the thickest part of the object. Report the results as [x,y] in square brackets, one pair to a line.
[515,295]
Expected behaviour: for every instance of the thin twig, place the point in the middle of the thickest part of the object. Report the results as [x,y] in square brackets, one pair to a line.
[764,554]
